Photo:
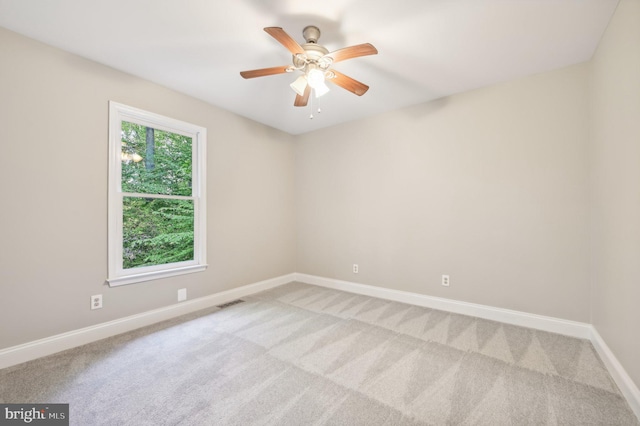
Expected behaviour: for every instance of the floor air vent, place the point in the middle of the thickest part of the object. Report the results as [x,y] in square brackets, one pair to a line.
[233,302]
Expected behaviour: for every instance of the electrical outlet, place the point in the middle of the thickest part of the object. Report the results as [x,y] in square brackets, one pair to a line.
[96,301]
[445,280]
[355,268]
[182,294]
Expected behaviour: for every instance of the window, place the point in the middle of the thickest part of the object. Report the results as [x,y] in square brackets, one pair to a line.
[157,204]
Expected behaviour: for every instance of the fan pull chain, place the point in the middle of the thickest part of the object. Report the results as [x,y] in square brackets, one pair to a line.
[313,98]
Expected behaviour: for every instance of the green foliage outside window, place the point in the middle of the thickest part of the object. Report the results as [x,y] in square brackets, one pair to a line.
[156,230]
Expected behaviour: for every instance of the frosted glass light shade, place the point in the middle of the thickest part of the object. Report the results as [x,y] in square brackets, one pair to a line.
[320,89]
[299,85]
[315,78]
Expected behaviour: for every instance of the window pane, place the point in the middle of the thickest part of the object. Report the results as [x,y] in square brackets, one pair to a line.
[156,231]
[154,161]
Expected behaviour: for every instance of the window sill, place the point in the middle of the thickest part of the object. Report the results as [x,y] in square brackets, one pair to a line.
[155,275]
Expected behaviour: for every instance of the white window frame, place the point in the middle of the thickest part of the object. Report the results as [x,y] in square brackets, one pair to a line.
[117,275]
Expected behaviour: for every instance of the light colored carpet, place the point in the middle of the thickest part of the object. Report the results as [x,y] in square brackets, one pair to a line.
[304,355]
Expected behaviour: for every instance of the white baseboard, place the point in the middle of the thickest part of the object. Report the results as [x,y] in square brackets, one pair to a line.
[619,374]
[524,319]
[60,342]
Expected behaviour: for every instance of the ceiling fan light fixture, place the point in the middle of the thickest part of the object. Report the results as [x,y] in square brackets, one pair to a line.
[299,85]
[315,77]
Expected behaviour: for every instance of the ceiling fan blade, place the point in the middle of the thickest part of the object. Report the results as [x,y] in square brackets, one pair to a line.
[302,100]
[352,52]
[284,39]
[262,72]
[348,83]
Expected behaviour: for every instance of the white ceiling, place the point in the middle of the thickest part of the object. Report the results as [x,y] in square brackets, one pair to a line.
[427,48]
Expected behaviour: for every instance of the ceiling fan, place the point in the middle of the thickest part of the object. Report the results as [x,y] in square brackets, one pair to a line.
[315,61]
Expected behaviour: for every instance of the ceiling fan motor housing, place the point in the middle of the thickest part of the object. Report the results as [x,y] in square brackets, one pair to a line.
[313,53]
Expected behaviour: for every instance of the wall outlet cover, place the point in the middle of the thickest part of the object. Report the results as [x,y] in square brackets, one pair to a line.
[96,301]
[182,295]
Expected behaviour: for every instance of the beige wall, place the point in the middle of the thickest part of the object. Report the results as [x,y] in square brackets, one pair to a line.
[615,180]
[489,187]
[53,183]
